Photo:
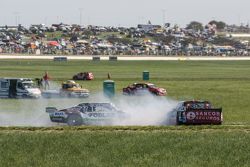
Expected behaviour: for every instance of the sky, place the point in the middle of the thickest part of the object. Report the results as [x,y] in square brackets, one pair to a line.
[123,12]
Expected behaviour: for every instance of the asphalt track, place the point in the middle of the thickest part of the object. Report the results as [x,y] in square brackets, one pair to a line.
[153,58]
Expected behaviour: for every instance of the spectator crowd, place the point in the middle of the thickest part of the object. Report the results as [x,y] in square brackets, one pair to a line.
[145,39]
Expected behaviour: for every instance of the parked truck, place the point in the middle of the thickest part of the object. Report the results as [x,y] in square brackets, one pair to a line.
[18,88]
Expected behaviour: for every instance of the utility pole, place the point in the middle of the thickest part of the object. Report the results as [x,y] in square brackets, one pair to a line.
[239,20]
[80,10]
[17,17]
[164,16]
[45,20]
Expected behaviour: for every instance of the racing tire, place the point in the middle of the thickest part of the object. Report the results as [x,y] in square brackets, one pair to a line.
[155,93]
[74,120]
[180,123]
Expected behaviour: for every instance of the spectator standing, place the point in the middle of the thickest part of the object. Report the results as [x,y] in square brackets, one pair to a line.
[46,79]
[39,82]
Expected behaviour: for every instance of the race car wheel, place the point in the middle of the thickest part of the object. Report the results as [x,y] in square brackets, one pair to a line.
[155,93]
[74,120]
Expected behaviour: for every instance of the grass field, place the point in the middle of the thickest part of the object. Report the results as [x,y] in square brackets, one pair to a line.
[225,83]
[126,146]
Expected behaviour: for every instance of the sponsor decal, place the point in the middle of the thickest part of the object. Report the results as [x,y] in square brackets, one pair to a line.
[203,116]
[191,115]
[96,115]
[56,114]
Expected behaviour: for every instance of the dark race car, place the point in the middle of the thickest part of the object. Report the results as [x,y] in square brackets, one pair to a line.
[196,113]
[84,76]
[86,114]
[144,88]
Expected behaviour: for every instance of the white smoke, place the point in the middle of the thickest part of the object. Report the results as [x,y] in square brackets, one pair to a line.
[26,112]
[139,110]
[146,110]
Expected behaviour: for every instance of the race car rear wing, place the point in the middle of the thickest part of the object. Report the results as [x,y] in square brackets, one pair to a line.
[51,109]
[203,116]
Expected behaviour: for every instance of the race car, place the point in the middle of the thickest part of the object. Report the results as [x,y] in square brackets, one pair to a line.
[84,76]
[69,89]
[86,114]
[144,88]
[196,113]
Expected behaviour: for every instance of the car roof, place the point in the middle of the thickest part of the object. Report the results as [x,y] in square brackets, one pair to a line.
[143,83]
[194,101]
[22,79]
[85,104]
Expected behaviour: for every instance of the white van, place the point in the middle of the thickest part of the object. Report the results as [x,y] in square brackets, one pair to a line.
[18,88]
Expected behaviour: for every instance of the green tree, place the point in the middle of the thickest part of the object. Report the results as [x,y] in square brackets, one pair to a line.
[194,25]
[219,24]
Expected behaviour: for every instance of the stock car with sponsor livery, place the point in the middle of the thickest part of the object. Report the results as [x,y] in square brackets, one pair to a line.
[196,113]
[144,88]
[86,114]
[69,89]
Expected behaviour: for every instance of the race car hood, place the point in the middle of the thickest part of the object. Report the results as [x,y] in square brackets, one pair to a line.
[162,90]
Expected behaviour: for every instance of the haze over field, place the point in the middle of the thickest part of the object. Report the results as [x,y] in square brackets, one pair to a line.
[123,13]
[138,110]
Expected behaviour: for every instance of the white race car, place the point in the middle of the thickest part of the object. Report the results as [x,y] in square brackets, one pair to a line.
[86,114]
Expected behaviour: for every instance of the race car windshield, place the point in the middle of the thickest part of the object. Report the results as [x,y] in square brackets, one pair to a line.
[198,105]
[152,85]
[67,86]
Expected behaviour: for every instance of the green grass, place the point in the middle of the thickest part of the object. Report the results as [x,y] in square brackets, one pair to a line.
[225,83]
[126,146]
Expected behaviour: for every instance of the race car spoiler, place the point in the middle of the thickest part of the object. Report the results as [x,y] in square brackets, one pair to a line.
[51,109]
